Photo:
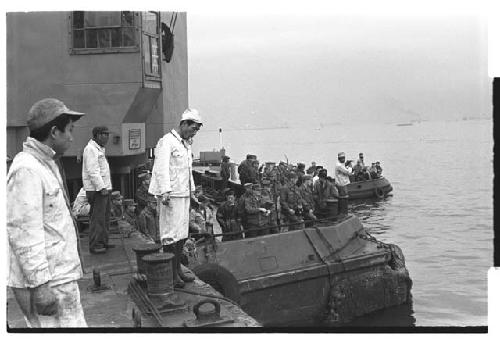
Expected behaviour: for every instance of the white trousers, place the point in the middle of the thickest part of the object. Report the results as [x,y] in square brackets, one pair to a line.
[69,309]
[174,220]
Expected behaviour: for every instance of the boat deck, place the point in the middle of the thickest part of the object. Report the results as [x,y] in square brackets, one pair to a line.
[112,307]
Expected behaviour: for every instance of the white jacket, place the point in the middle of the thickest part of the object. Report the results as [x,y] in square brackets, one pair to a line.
[172,169]
[41,233]
[342,174]
[95,168]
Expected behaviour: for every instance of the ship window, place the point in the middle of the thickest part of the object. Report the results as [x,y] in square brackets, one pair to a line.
[104,32]
[151,44]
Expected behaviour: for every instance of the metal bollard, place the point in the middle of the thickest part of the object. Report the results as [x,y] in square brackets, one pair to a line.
[142,250]
[159,274]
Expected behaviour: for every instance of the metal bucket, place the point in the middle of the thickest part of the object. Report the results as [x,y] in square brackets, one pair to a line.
[142,250]
[159,273]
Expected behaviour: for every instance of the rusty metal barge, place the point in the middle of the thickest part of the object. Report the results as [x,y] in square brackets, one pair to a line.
[327,275]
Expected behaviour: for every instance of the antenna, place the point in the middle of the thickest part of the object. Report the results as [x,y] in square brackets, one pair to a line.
[220,138]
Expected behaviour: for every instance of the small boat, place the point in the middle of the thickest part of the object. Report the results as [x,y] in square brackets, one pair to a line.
[327,274]
[405,124]
[374,188]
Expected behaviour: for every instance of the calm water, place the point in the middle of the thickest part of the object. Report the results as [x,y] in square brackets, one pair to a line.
[440,214]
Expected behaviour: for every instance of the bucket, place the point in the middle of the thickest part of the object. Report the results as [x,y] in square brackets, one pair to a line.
[142,250]
[159,273]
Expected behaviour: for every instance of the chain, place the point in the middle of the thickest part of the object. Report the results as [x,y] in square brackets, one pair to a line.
[371,238]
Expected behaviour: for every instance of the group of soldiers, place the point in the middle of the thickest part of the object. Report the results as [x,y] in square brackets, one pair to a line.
[362,172]
[277,198]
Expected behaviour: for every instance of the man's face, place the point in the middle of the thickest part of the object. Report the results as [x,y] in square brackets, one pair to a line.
[130,209]
[230,199]
[102,138]
[189,131]
[342,160]
[293,180]
[63,140]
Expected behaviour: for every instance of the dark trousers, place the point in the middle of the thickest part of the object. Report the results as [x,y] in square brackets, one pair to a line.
[100,211]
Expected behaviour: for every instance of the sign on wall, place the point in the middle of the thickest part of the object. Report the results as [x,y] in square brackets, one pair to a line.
[134,138]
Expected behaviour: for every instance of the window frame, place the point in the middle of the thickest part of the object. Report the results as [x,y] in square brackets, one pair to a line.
[147,75]
[106,50]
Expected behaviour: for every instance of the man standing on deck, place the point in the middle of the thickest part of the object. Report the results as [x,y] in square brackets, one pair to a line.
[43,258]
[342,175]
[172,182]
[244,169]
[97,184]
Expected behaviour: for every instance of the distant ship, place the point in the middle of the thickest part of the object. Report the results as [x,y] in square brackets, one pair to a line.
[405,124]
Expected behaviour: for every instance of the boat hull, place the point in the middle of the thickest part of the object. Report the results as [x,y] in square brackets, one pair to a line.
[375,188]
[327,274]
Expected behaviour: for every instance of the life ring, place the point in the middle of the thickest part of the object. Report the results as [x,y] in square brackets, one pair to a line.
[379,192]
[220,279]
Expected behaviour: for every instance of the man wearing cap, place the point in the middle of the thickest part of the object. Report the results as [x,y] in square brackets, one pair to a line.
[323,191]
[116,204]
[44,263]
[172,181]
[292,203]
[361,160]
[342,175]
[129,214]
[306,192]
[228,217]
[97,183]
[379,168]
[142,191]
[268,202]
[246,170]
[147,222]
[225,171]
[256,217]
[372,170]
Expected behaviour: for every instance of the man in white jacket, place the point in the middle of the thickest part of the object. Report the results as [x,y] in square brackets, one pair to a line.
[172,182]
[97,184]
[44,263]
[342,173]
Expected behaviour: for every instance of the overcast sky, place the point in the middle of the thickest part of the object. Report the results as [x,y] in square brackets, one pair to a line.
[256,70]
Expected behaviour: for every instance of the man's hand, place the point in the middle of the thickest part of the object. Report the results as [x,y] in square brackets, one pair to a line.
[45,300]
[263,210]
[292,211]
[165,198]
[104,191]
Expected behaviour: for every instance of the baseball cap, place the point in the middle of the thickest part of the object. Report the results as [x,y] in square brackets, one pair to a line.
[193,115]
[341,154]
[46,110]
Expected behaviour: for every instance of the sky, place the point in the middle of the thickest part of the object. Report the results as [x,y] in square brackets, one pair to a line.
[269,70]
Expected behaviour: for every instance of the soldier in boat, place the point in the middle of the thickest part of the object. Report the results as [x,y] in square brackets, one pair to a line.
[292,203]
[229,218]
[306,192]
